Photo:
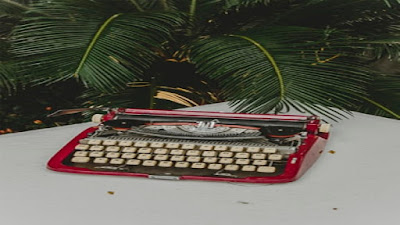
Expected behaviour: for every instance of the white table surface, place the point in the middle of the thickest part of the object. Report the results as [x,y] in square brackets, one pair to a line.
[359,184]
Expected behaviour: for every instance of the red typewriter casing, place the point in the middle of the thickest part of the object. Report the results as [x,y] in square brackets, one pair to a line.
[308,152]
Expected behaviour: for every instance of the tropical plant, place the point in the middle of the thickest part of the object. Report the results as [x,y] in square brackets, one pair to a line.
[311,55]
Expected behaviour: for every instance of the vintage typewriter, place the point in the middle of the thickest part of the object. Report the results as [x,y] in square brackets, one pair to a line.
[189,145]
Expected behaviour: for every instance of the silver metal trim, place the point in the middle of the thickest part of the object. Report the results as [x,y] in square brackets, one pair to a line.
[164,177]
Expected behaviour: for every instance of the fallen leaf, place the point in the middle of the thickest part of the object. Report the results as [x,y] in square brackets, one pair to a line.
[244,203]
[37,122]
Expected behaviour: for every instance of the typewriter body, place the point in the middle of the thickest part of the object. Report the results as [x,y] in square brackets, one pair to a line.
[189,145]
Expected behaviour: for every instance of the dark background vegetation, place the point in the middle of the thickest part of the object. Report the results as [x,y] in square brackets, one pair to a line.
[176,79]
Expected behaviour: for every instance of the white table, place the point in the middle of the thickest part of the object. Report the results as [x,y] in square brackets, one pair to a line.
[359,184]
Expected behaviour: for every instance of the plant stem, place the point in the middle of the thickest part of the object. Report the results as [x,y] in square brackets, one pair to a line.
[21,6]
[271,60]
[153,92]
[397,116]
[137,6]
[93,42]
[192,11]
[165,4]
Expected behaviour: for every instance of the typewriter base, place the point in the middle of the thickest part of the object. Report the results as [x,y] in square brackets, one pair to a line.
[293,170]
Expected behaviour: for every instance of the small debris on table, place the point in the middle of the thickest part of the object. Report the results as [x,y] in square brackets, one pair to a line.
[243,202]
[332,152]
[110,192]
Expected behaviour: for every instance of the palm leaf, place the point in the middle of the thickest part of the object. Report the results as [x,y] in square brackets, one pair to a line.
[384,97]
[364,19]
[279,68]
[6,78]
[12,8]
[105,50]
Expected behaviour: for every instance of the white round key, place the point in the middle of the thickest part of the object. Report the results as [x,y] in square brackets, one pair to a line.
[109,142]
[193,152]
[133,162]
[149,163]
[129,149]
[96,154]
[269,150]
[209,153]
[266,169]
[161,151]
[128,155]
[215,166]
[193,159]
[144,156]
[324,128]
[275,157]
[249,168]
[79,159]
[210,159]
[172,145]
[237,149]
[177,158]
[100,160]
[242,161]
[260,162]
[188,146]
[226,154]
[165,164]
[161,157]
[253,149]
[181,164]
[117,161]
[96,118]
[125,143]
[221,147]
[157,144]
[82,147]
[113,155]
[81,153]
[144,150]
[94,142]
[112,148]
[231,167]
[198,165]
[258,156]
[226,160]
[96,148]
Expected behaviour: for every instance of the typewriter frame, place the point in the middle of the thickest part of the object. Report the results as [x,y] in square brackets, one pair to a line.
[298,163]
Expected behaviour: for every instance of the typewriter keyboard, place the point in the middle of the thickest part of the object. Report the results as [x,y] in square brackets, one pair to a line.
[186,158]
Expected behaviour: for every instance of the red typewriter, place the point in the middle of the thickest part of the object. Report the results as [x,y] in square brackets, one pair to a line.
[189,145]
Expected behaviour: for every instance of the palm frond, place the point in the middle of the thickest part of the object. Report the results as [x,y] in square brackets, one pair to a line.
[391,3]
[384,97]
[279,68]
[12,8]
[6,78]
[103,50]
[364,19]
[236,4]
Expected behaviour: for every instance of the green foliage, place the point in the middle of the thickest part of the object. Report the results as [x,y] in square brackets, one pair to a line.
[27,109]
[274,68]
[311,55]
[104,50]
